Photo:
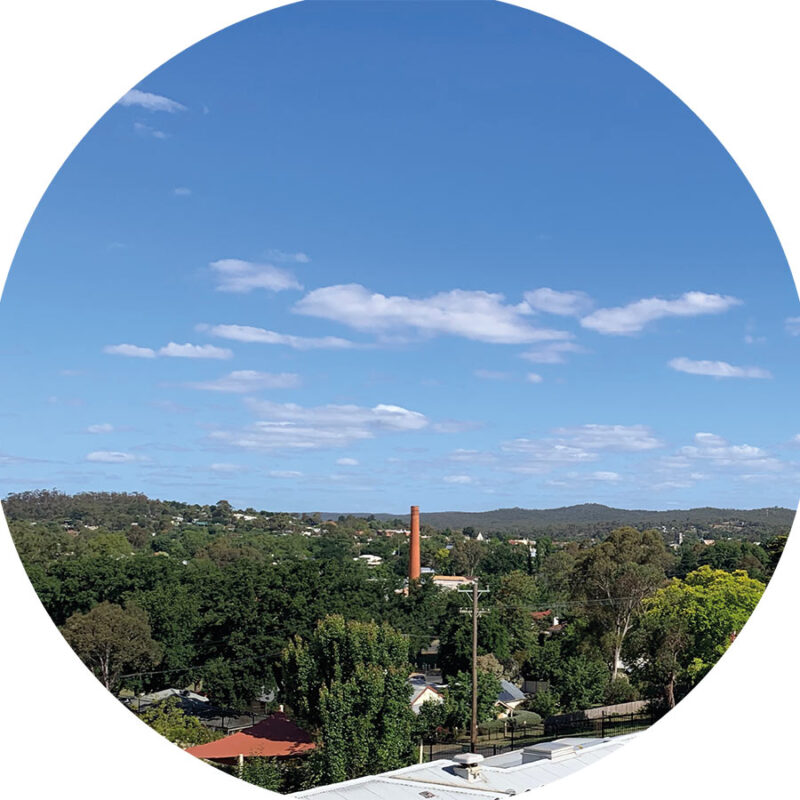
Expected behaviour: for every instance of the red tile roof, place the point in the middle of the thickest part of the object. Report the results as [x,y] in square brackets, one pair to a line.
[276,736]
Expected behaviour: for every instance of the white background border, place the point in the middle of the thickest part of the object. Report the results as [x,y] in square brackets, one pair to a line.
[736,64]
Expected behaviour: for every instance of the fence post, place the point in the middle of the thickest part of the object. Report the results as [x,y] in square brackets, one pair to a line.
[602,724]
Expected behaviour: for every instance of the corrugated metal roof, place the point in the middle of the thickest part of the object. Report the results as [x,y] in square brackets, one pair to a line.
[499,777]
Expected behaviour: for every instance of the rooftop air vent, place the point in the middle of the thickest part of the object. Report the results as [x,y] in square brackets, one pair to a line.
[468,765]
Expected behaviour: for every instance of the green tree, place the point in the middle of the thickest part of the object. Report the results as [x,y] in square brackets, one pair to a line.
[687,625]
[263,772]
[459,698]
[110,639]
[614,577]
[173,723]
[349,680]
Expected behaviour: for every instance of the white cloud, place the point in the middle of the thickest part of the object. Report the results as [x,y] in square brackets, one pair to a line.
[182,191]
[235,275]
[285,473]
[621,438]
[719,452]
[147,130]
[103,427]
[297,258]
[226,468]
[634,316]
[110,457]
[472,456]
[149,101]
[247,333]
[129,350]
[246,380]
[605,477]
[568,304]
[534,377]
[792,325]
[455,426]
[479,316]
[491,375]
[551,353]
[295,427]
[717,369]
[382,416]
[459,479]
[173,350]
[544,453]
[347,462]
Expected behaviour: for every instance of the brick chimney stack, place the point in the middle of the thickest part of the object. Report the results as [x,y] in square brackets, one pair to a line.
[413,552]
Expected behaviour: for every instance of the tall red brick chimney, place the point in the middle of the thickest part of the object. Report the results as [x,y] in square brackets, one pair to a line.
[413,552]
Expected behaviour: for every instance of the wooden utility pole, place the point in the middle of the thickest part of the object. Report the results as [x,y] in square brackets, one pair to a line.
[473,737]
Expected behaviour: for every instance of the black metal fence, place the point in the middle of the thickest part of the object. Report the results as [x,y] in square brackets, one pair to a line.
[601,727]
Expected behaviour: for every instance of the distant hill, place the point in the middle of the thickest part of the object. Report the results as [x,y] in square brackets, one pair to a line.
[520,520]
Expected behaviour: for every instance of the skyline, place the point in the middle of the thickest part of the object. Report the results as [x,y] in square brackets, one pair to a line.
[492,298]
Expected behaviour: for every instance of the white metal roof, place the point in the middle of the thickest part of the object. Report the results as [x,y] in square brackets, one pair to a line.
[499,776]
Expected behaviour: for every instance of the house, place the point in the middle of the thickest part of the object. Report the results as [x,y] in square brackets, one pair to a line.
[369,560]
[424,693]
[451,581]
[509,699]
[274,737]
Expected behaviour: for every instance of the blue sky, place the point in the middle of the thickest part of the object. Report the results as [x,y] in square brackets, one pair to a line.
[353,256]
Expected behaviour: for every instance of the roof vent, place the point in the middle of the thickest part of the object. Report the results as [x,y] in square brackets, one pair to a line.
[548,751]
[468,765]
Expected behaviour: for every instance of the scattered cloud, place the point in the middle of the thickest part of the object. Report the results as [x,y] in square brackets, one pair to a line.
[294,427]
[247,333]
[545,453]
[226,468]
[295,258]
[245,381]
[455,426]
[619,438]
[103,427]
[235,275]
[491,375]
[568,304]
[173,350]
[633,317]
[604,477]
[150,101]
[458,479]
[792,325]
[552,352]
[129,350]
[347,462]
[717,369]
[476,315]
[472,456]
[720,453]
[285,473]
[182,191]
[110,457]
[381,416]
[534,377]
[147,130]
